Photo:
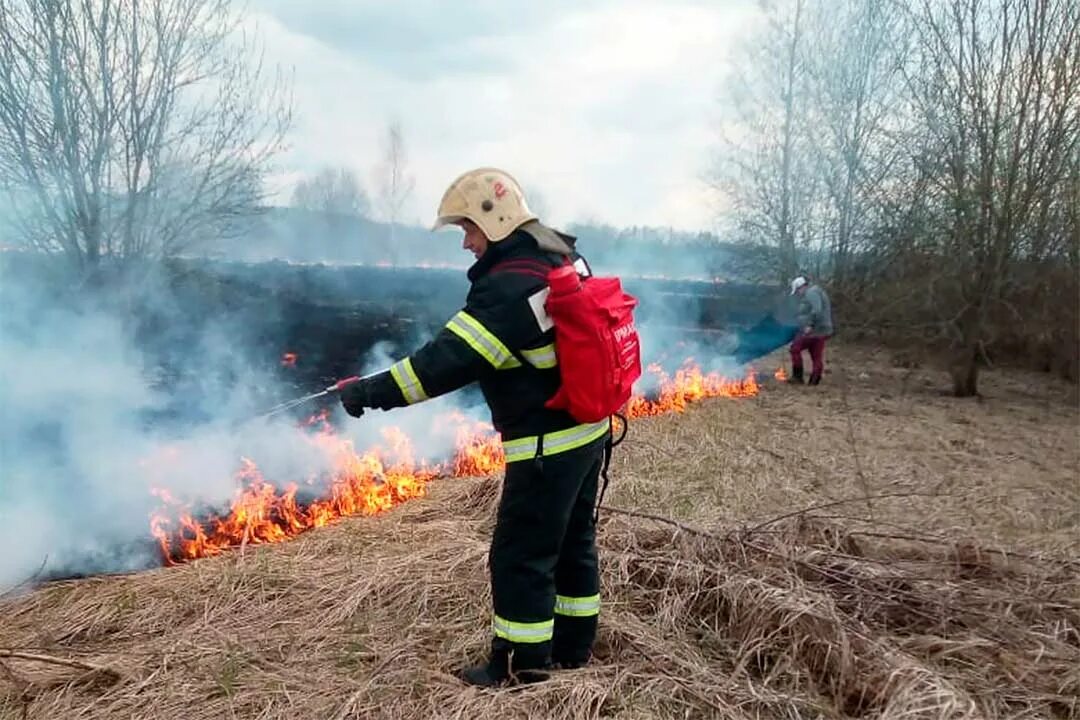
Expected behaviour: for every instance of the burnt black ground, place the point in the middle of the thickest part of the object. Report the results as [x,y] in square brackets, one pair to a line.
[185,315]
[332,317]
[199,326]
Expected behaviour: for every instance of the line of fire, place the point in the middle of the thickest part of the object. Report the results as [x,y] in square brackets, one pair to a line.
[374,480]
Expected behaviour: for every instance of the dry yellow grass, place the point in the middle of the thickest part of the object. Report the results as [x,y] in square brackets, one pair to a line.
[955,592]
[1005,467]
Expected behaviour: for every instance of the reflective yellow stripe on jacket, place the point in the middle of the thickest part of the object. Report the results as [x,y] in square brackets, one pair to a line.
[510,364]
[586,606]
[407,381]
[488,346]
[541,357]
[480,339]
[555,442]
[520,632]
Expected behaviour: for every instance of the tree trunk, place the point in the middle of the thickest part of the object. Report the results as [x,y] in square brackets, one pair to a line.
[964,366]
[965,372]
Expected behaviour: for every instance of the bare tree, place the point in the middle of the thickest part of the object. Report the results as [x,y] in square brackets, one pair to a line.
[996,95]
[855,111]
[333,191]
[931,150]
[131,128]
[394,182]
[766,166]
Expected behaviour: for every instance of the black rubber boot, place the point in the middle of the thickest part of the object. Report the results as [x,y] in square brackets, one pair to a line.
[484,676]
[796,376]
[495,672]
[570,660]
[489,675]
[815,379]
[501,670]
[571,647]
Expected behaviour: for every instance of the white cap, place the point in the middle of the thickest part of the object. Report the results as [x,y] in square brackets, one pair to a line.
[797,283]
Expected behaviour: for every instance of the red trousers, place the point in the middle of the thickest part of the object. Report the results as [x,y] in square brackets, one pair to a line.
[816,345]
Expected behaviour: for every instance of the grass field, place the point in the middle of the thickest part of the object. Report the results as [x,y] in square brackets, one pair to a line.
[868,548]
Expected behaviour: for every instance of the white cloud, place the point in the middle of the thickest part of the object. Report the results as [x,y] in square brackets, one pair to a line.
[606,108]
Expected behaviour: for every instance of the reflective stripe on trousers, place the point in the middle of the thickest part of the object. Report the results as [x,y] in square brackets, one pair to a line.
[577,606]
[407,381]
[555,442]
[519,632]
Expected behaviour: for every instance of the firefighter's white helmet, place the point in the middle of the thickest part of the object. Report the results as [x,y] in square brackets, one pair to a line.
[489,197]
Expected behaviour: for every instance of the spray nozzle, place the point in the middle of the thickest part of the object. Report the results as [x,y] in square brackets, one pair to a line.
[343,383]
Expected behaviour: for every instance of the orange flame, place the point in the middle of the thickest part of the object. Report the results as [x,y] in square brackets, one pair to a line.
[362,484]
[689,385]
[780,374]
[378,479]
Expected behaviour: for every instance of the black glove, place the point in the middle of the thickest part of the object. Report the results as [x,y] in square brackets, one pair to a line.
[356,397]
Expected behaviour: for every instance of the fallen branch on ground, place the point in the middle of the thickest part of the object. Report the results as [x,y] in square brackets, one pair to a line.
[53,660]
[661,519]
[845,501]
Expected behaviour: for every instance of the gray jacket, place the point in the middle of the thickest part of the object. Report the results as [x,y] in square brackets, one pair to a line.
[815,311]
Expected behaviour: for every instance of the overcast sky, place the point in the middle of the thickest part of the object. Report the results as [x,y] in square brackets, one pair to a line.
[606,108]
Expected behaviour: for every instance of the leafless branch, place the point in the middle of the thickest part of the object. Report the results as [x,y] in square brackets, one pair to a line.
[102,670]
[132,130]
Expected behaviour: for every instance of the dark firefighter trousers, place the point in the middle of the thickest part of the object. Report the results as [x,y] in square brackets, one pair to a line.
[545,582]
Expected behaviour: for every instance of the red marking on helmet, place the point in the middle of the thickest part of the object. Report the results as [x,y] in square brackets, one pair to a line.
[500,189]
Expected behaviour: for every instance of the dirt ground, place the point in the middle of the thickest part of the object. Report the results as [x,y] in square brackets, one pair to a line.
[866,548]
[1004,467]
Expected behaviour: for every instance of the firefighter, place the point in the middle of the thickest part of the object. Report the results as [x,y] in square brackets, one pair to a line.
[542,559]
[815,327]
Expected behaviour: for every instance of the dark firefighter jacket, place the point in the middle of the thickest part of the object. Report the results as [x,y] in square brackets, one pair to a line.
[504,339]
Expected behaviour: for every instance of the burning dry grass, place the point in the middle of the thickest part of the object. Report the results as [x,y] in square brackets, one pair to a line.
[376,480]
[890,607]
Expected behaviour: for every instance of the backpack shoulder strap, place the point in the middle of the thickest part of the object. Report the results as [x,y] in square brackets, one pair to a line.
[523,266]
[530,267]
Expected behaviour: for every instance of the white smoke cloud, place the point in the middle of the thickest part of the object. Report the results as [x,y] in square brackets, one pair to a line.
[434,425]
[90,426]
[72,396]
[91,423]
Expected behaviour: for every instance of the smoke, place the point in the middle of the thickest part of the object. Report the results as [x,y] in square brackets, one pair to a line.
[695,302]
[108,397]
[71,395]
[703,324]
[436,422]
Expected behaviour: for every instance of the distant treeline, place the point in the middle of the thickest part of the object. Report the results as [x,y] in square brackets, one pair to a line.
[312,237]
